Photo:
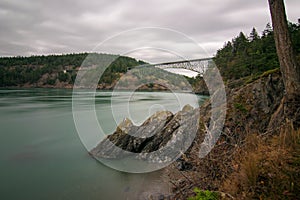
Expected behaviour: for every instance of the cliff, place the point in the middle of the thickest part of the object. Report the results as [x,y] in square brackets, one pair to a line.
[250,107]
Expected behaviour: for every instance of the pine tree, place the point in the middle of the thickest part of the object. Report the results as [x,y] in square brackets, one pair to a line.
[253,35]
[267,31]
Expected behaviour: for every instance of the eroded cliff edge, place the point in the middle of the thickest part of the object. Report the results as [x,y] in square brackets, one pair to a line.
[250,107]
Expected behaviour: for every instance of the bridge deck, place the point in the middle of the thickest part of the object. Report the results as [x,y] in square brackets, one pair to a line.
[182,61]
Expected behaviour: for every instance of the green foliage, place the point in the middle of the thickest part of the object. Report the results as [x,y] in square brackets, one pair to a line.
[117,67]
[16,71]
[20,70]
[244,56]
[204,195]
[254,35]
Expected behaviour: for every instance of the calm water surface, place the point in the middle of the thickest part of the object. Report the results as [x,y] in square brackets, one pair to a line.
[42,157]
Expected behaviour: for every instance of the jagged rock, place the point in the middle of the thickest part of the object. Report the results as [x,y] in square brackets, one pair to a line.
[152,135]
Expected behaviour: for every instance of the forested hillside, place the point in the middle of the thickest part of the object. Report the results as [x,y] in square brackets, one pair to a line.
[252,55]
[54,70]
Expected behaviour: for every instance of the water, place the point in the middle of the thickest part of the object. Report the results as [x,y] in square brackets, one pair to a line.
[42,157]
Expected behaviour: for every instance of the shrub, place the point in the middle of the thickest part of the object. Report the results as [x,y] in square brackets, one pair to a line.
[204,195]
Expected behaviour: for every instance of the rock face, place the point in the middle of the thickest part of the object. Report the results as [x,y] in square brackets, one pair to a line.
[252,105]
[152,135]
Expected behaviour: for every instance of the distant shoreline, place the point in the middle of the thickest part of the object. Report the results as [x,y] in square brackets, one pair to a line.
[109,90]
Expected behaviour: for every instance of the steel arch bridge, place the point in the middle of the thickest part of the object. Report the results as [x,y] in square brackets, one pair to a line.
[195,65]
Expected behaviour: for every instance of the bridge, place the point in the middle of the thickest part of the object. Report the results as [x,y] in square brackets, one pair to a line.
[195,65]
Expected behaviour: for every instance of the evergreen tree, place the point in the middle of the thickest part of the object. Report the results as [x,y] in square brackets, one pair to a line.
[268,30]
[253,35]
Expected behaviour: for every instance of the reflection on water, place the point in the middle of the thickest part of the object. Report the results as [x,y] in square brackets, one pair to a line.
[42,157]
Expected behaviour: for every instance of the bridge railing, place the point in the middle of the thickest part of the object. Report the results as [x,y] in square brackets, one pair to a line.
[196,65]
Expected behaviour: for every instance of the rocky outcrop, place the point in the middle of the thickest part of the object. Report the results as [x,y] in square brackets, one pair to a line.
[153,135]
[250,107]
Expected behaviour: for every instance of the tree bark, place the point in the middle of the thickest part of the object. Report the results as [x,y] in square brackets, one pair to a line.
[289,67]
[286,55]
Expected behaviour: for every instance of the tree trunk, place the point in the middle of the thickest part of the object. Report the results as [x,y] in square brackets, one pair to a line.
[288,64]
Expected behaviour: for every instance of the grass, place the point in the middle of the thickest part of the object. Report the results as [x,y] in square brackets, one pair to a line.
[269,168]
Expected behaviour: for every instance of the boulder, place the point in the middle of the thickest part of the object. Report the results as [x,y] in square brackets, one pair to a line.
[151,136]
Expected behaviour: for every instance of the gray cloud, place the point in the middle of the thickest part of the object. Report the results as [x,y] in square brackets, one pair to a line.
[30,27]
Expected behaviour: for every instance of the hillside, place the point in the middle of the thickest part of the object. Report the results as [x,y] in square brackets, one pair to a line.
[60,71]
[253,158]
[56,71]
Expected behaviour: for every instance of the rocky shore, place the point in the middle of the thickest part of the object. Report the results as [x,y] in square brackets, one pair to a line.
[153,135]
[250,107]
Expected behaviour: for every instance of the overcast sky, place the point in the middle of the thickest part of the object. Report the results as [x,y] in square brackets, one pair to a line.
[31,27]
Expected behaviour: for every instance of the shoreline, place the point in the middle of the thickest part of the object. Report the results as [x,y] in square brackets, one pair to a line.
[108,90]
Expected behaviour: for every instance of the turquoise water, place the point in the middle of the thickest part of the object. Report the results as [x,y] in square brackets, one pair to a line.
[42,156]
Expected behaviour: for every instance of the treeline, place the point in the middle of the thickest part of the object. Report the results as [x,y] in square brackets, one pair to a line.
[119,66]
[252,55]
[19,70]
[49,70]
